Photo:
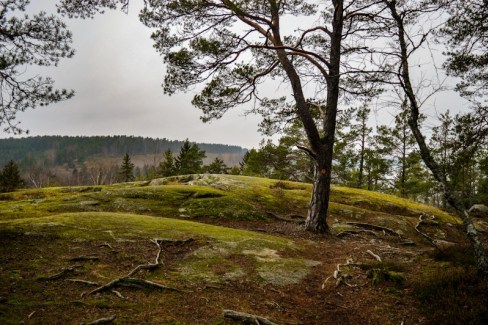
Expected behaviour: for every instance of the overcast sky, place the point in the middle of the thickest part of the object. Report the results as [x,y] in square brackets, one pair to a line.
[117,76]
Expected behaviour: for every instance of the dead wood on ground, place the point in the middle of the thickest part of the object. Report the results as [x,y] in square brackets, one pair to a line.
[247,318]
[107,320]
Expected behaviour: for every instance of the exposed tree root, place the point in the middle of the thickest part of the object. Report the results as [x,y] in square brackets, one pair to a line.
[334,305]
[247,318]
[91,257]
[107,320]
[429,221]
[374,227]
[376,257]
[141,283]
[62,273]
[130,281]
[118,294]
[90,283]
[339,276]
[291,218]
[105,245]
[355,232]
[422,221]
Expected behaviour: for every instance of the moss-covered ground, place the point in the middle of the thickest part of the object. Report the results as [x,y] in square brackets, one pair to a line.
[240,256]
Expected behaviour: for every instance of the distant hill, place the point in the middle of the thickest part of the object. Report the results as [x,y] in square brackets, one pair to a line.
[60,150]
[63,160]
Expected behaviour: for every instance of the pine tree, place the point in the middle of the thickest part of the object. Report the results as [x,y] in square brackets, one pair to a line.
[345,157]
[360,134]
[460,155]
[29,40]
[217,167]
[126,169]
[253,164]
[190,159]
[10,177]
[167,166]
[399,142]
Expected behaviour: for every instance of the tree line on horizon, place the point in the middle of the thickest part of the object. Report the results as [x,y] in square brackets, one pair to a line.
[58,150]
[188,159]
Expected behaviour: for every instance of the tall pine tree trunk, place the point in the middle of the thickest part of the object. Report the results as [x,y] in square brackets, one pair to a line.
[319,202]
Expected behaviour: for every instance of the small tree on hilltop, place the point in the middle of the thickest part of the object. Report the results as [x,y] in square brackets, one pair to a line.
[167,166]
[190,159]
[10,177]
[126,169]
[217,167]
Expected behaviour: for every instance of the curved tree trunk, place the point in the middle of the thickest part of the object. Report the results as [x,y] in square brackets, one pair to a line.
[425,152]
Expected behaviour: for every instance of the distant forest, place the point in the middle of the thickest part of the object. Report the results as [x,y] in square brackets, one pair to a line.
[60,150]
[64,160]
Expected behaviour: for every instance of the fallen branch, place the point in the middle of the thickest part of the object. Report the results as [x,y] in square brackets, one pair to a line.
[62,273]
[374,227]
[247,318]
[107,320]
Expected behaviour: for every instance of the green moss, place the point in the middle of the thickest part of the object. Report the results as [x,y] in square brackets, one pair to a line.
[284,271]
[387,203]
[94,225]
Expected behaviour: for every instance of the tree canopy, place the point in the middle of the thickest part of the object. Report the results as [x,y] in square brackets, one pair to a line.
[40,40]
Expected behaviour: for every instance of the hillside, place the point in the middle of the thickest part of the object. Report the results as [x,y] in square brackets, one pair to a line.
[181,250]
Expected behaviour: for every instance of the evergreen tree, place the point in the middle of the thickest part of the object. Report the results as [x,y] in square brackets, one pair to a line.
[377,167]
[482,186]
[253,164]
[190,159]
[167,166]
[126,173]
[217,167]
[10,177]
[399,143]
[345,157]
[460,155]
[465,32]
